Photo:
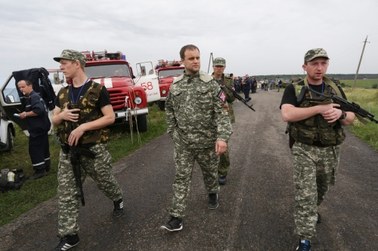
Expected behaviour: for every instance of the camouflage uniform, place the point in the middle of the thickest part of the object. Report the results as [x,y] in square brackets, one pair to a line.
[316,155]
[314,171]
[196,118]
[98,168]
[224,159]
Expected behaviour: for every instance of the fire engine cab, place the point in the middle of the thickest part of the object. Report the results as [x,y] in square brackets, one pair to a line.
[159,78]
[114,72]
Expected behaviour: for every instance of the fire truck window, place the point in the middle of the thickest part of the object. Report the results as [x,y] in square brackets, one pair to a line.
[107,71]
[171,73]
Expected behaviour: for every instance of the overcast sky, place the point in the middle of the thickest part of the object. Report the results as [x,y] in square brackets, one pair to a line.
[255,37]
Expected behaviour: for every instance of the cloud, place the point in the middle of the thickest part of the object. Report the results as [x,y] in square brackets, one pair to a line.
[255,37]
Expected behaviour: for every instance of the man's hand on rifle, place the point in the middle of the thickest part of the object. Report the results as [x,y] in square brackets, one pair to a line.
[331,112]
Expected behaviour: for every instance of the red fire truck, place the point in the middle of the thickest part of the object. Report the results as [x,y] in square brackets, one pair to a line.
[114,72]
[162,75]
[166,72]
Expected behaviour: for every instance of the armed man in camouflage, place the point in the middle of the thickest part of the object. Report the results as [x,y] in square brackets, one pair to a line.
[226,84]
[82,113]
[200,127]
[315,126]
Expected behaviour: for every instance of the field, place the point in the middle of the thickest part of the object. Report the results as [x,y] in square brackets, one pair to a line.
[368,99]
[361,83]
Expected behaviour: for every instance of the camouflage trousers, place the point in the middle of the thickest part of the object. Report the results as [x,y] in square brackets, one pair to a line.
[224,163]
[185,158]
[99,169]
[314,171]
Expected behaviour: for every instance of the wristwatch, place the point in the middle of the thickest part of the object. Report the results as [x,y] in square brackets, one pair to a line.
[343,115]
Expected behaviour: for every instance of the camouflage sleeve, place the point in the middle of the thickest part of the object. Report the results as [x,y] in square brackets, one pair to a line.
[169,114]
[229,94]
[223,121]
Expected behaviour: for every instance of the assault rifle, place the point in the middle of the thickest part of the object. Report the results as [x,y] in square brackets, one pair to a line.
[76,153]
[346,105]
[75,158]
[237,96]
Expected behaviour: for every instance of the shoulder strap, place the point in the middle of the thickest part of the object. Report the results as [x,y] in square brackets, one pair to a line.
[298,85]
[336,87]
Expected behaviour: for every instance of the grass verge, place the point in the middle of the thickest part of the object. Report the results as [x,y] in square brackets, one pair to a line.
[368,100]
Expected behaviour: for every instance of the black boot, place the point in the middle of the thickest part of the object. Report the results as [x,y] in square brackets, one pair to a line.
[38,173]
[118,208]
[47,165]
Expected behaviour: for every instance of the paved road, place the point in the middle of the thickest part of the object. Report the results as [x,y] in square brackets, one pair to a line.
[256,204]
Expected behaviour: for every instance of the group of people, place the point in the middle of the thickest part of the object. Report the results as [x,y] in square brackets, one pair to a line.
[246,85]
[199,117]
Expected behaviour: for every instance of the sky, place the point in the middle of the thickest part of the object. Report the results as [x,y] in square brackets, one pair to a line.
[255,37]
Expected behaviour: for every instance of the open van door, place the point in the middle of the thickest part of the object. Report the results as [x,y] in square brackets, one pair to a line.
[13,101]
[10,101]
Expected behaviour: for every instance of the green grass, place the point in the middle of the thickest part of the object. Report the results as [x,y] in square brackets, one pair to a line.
[361,83]
[32,193]
[368,100]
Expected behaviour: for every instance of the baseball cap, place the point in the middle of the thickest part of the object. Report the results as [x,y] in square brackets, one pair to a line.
[315,53]
[219,61]
[71,55]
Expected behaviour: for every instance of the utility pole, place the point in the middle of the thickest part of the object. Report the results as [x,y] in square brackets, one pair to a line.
[359,63]
[210,61]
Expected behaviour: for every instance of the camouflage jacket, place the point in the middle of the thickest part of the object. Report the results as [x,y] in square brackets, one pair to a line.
[195,111]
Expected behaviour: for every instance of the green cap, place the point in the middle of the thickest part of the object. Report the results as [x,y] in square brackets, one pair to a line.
[71,55]
[219,61]
[315,53]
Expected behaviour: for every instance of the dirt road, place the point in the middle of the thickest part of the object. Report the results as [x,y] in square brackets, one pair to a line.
[256,205]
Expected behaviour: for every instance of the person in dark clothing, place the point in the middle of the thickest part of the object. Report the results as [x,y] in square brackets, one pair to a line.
[237,84]
[279,85]
[247,83]
[38,125]
[254,85]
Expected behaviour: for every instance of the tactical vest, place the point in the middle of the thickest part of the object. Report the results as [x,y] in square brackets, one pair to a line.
[316,130]
[88,112]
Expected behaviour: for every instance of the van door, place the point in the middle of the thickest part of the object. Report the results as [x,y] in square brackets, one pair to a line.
[10,101]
